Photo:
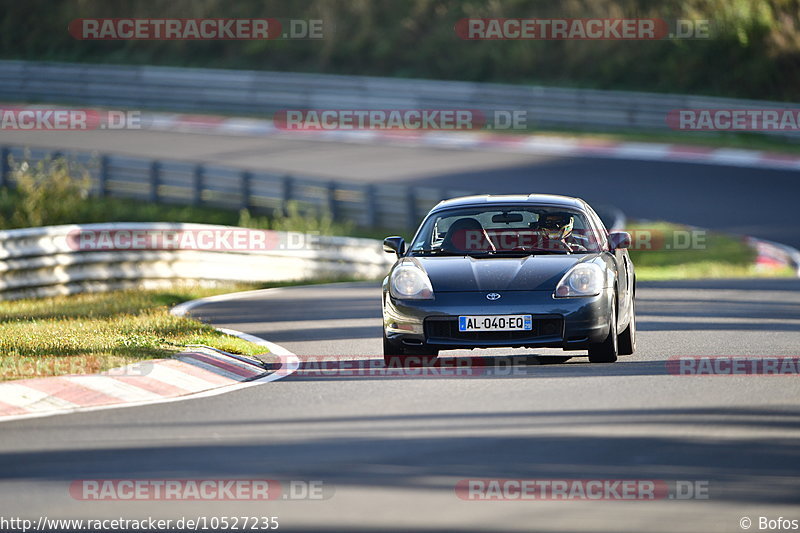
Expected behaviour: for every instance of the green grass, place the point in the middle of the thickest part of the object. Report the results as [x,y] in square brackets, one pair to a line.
[674,251]
[87,333]
[708,270]
[107,210]
[674,244]
[93,332]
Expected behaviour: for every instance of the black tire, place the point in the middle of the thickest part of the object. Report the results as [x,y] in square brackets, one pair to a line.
[627,339]
[606,351]
[395,356]
[390,348]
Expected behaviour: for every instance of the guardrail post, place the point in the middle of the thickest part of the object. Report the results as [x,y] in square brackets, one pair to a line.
[102,186]
[286,194]
[331,201]
[246,183]
[5,166]
[371,205]
[197,185]
[411,202]
[155,171]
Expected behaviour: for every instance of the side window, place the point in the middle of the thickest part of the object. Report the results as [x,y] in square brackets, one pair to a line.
[421,242]
[599,229]
[439,231]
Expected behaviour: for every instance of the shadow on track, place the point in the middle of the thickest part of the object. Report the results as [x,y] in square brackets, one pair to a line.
[345,368]
[433,451]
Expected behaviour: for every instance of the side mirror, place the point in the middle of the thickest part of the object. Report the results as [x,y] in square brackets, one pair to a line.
[619,240]
[394,245]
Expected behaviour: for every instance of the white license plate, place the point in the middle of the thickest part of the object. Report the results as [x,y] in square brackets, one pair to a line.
[495,323]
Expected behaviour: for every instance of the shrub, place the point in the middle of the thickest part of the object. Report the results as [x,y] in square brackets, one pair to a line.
[48,192]
[293,220]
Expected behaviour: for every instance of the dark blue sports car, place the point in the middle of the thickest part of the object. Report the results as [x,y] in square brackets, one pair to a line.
[533,271]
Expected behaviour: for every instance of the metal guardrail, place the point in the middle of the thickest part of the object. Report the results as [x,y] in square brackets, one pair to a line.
[264,92]
[37,262]
[45,261]
[178,182]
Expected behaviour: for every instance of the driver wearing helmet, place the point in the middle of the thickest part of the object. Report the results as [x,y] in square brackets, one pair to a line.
[559,227]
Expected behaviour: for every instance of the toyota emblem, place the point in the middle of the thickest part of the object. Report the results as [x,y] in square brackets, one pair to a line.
[492,296]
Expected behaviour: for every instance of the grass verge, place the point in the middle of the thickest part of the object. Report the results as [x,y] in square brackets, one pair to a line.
[88,333]
[664,251]
[709,270]
[739,140]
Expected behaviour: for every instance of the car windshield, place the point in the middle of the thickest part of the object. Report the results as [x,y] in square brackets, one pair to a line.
[507,231]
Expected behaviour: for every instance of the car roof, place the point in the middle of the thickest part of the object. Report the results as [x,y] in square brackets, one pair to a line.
[501,199]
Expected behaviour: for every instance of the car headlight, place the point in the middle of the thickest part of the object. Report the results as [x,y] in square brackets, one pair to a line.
[410,282]
[585,279]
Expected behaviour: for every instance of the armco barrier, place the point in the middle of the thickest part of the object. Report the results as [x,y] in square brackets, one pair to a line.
[180,182]
[177,182]
[247,92]
[41,261]
[37,262]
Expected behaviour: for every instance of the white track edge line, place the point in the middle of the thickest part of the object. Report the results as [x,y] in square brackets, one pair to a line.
[183,308]
[290,360]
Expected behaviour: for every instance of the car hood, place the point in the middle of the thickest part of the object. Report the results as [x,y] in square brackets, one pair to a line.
[533,272]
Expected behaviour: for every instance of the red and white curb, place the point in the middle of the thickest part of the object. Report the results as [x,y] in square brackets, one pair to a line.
[553,145]
[772,255]
[523,143]
[201,372]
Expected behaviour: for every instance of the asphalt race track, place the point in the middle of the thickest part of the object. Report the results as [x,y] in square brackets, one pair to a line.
[748,201]
[390,450]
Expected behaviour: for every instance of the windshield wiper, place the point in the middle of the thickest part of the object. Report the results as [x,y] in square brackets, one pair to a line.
[490,253]
[438,251]
[529,252]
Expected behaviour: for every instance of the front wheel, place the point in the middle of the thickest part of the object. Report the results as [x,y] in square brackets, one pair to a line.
[606,351]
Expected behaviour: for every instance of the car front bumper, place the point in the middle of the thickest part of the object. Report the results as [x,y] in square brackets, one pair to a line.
[568,323]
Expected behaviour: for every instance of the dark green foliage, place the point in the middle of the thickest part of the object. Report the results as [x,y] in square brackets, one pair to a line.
[754,49]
